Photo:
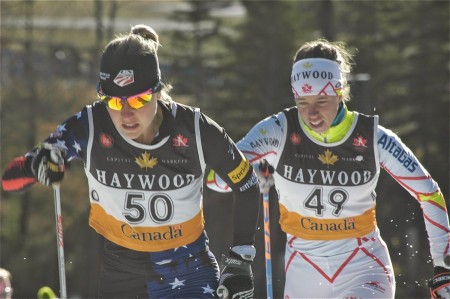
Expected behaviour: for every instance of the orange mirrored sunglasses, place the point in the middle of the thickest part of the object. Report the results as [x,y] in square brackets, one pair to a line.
[135,101]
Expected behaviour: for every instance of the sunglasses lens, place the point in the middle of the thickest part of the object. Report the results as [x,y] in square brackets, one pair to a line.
[113,103]
[140,101]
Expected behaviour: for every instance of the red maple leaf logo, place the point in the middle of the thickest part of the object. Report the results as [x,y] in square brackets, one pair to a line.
[295,138]
[180,141]
[307,88]
[360,141]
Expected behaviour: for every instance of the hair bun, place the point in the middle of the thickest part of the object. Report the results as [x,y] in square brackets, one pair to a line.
[146,32]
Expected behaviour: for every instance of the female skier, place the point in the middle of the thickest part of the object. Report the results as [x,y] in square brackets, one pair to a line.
[326,161]
[145,156]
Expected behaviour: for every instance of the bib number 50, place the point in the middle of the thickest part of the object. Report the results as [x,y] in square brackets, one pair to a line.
[159,208]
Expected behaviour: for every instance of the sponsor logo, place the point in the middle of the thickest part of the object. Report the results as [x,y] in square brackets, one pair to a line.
[251,182]
[265,141]
[295,138]
[144,182]
[180,141]
[175,161]
[360,141]
[118,159]
[124,78]
[327,177]
[146,161]
[105,140]
[304,156]
[328,158]
[168,233]
[163,161]
[398,152]
[338,225]
[358,158]
[307,88]
[231,261]
[312,75]
[237,174]
[104,76]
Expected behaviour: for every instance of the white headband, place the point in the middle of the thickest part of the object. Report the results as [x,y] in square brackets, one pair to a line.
[316,76]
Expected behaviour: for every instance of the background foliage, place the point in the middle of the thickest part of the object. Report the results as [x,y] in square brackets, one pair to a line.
[232,59]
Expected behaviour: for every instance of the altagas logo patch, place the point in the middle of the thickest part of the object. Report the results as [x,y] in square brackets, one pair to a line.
[124,78]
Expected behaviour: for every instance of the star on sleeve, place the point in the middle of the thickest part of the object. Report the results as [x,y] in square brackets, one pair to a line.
[208,290]
[76,146]
[61,128]
[177,283]
[61,143]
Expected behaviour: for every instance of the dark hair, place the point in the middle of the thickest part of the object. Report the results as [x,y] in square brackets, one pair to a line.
[336,51]
[141,40]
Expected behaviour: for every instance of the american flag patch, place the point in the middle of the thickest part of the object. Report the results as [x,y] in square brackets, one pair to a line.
[124,78]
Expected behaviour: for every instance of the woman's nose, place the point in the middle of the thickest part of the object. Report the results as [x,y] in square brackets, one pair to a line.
[313,110]
[126,110]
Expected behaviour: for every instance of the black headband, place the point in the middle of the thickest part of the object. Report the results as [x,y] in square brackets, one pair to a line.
[126,75]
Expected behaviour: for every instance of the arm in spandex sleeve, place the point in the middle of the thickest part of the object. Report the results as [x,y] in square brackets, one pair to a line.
[399,161]
[223,156]
[71,134]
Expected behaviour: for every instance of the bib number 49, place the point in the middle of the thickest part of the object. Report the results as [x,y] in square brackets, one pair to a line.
[336,198]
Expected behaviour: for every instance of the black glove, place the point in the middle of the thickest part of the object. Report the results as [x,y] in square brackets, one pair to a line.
[236,279]
[440,283]
[48,165]
[265,178]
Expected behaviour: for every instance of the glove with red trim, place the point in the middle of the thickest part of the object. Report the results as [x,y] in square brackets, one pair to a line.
[440,283]
[18,176]
[48,165]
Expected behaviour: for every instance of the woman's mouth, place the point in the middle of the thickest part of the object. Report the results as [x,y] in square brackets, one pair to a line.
[316,124]
[130,126]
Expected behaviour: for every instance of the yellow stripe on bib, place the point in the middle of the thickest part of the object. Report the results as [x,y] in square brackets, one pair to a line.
[148,239]
[311,228]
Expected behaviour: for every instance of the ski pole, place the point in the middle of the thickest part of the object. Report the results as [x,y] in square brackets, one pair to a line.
[59,240]
[268,255]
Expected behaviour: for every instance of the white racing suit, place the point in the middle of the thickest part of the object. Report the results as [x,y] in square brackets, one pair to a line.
[327,202]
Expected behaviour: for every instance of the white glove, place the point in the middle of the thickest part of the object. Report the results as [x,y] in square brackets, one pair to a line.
[265,178]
